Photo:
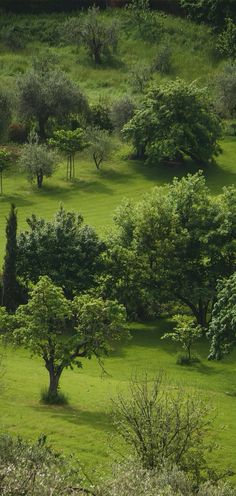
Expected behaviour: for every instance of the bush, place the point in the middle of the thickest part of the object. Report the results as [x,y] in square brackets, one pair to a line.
[14,38]
[53,399]
[122,111]
[18,133]
[225,101]
[100,116]
[163,60]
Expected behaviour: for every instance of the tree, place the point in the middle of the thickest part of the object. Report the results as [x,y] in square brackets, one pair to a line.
[100,146]
[62,248]
[69,143]
[99,39]
[186,332]
[226,92]
[46,92]
[176,119]
[5,158]
[9,280]
[222,330]
[37,160]
[185,240]
[213,11]
[227,40]
[62,332]
[143,20]
[163,427]
[5,114]
[122,111]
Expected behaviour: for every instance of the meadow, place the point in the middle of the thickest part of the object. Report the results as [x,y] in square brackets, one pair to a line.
[84,428]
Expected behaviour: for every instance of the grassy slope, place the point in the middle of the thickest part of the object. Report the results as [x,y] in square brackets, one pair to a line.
[84,428]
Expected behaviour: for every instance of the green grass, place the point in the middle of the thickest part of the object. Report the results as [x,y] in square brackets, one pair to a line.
[96,194]
[84,427]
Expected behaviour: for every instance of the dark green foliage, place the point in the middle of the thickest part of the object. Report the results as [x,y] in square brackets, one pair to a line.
[222,330]
[185,241]
[176,119]
[53,399]
[63,248]
[14,38]
[122,110]
[99,116]
[225,100]
[9,282]
[143,21]
[163,60]
[5,114]
[213,11]
[227,40]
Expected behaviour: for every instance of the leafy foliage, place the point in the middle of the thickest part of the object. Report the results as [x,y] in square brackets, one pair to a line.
[226,92]
[213,11]
[227,40]
[69,142]
[5,114]
[63,249]
[99,39]
[62,332]
[10,287]
[222,330]
[176,119]
[100,146]
[186,332]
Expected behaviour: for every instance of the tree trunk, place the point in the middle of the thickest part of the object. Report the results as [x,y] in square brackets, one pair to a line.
[40,178]
[53,383]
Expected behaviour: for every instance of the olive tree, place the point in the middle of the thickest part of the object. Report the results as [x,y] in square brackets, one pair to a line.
[100,146]
[37,160]
[46,92]
[62,332]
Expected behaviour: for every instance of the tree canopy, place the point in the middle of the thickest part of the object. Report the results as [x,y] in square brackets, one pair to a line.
[176,119]
[62,248]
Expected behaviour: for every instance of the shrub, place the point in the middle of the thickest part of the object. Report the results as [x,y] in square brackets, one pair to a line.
[163,60]
[100,116]
[225,101]
[18,133]
[122,111]
[14,38]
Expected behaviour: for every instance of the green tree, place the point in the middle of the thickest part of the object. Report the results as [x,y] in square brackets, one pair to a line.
[46,92]
[5,158]
[37,160]
[99,38]
[176,119]
[227,40]
[69,143]
[9,280]
[225,101]
[185,239]
[100,146]
[5,114]
[62,332]
[213,11]
[143,20]
[62,248]
[186,332]
[222,330]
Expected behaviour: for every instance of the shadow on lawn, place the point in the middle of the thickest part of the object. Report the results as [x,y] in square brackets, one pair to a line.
[98,420]
[76,186]
[18,200]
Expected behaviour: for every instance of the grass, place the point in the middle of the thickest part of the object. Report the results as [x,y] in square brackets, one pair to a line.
[84,427]
[96,194]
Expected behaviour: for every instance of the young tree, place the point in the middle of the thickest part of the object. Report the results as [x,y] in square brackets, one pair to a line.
[37,160]
[100,40]
[225,102]
[62,332]
[46,92]
[62,248]
[222,330]
[69,143]
[5,158]
[163,427]
[100,146]
[9,280]
[186,332]
[176,120]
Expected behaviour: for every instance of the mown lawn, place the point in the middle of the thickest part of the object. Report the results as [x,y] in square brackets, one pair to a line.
[84,428]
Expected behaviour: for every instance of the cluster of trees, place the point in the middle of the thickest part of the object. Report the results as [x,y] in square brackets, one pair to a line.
[174,248]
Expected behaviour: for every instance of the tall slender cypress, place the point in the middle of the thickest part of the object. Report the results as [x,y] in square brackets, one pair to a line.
[9,282]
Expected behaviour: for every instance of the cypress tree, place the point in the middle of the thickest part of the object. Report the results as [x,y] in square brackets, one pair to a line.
[9,282]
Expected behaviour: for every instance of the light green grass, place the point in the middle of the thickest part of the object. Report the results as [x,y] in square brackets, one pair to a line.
[84,428]
[96,194]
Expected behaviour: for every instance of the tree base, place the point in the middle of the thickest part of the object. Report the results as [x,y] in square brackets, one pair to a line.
[58,398]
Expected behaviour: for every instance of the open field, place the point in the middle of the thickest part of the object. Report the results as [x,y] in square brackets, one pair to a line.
[84,427]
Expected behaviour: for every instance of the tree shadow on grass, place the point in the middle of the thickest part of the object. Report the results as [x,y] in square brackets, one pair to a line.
[99,420]
[18,200]
[77,186]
